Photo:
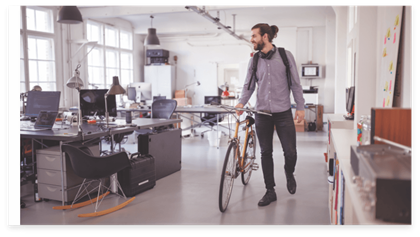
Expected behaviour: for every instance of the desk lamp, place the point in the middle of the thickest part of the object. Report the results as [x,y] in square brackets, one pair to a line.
[195,83]
[115,89]
[75,82]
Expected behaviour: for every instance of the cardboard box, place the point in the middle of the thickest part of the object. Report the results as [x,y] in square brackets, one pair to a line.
[183,101]
[300,127]
[180,94]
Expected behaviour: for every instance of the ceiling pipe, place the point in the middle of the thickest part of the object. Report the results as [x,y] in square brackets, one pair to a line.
[216,21]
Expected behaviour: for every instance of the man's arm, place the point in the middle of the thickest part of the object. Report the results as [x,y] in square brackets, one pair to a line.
[296,88]
[246,94]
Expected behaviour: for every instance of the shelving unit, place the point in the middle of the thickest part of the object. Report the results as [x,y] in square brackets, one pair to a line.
[353,208]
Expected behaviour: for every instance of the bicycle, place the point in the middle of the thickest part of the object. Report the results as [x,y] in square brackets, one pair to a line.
[235,162]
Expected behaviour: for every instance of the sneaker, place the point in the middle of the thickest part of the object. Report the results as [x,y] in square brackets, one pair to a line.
[270,196]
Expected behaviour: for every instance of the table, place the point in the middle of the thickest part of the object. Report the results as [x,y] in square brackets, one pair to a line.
[313,108]
[66,134]
[192,110]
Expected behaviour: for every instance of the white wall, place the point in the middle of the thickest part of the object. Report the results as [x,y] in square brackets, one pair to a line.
[366,57]
[340,59]
[205,55]
[364,38]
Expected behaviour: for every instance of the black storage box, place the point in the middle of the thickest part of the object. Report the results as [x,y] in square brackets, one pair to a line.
[138,178]
[157,53]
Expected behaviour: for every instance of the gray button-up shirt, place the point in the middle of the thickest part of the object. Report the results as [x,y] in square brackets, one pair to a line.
[272,91]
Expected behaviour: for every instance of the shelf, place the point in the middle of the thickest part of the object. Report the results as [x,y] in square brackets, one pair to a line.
[342,140]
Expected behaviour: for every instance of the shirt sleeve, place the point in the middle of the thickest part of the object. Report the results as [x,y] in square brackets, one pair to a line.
[246,94]
[296,87]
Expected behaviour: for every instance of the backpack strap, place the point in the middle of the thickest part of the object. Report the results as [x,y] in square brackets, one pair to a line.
[254,68]
[286,63]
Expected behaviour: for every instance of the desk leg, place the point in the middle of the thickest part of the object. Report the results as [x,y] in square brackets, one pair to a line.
[217,133]
[113,177]
[62,173]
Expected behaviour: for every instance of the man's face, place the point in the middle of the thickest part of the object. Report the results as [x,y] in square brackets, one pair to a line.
[257,39]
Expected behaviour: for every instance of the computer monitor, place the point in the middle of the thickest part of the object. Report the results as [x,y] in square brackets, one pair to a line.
[214,100]
[311,71]
[159,98]
[350,102]
[93,101]
[38,101]
[131,93]
[143,90]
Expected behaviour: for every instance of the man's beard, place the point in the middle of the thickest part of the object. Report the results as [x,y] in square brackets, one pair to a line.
[260,45]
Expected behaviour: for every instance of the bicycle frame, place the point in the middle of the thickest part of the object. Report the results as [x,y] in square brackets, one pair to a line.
[236,139]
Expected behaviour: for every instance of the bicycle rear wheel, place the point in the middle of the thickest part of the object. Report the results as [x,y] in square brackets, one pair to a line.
[249,157]
[228,176]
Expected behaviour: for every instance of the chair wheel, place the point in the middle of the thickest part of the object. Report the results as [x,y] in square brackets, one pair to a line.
[202,135]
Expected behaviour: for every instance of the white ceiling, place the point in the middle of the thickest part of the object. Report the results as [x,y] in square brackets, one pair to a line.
[177,20]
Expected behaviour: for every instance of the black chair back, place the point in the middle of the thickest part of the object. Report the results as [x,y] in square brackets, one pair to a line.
[163,108]
[90,167]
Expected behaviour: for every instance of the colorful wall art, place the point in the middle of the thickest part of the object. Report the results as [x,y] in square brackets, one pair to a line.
[389,53]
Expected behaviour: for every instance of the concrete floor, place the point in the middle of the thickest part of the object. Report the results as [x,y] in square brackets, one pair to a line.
[190,196]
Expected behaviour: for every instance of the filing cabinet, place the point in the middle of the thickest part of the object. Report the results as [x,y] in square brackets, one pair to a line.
[49,174]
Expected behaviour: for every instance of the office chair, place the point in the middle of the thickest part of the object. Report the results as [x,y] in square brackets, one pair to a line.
[210,118]
[94,169]
[160,109]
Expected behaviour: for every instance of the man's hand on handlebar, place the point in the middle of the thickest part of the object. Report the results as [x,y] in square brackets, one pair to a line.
[239,106]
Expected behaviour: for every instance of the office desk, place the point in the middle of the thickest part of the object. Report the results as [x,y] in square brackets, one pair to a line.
[192,110]
[89,132]
[313,108]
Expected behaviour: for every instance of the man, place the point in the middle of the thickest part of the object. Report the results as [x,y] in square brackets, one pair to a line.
[273,96]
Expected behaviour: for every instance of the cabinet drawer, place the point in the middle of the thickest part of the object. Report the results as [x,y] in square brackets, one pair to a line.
[46,176]
[53,192]
[51,162]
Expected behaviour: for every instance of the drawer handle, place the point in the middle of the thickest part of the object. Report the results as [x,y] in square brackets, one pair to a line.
[51,173]
[51,159]
[51,189]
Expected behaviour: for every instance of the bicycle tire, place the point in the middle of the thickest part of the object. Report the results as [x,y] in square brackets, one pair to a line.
[228,176]
[249,157]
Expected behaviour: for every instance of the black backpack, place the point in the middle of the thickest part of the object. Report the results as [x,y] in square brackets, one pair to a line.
[285,61]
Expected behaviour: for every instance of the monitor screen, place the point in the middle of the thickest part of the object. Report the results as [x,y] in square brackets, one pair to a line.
[93,101]
[311,70]
[42,100]
[143,90]
[131,93]
[214,100]
[350,99]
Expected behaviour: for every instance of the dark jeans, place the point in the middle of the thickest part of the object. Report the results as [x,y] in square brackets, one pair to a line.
[285,128]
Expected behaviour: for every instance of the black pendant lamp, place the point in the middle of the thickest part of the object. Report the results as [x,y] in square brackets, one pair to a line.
[151,38]
[69,15]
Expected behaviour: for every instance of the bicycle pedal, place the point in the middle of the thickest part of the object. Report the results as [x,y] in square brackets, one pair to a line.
[255,166]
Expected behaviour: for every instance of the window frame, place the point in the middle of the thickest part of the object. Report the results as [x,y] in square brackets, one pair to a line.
[106,49]
[25,34]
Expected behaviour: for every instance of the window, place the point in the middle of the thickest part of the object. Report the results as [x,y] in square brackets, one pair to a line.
[39,19]
[352,17]
[113,56]
[37,57]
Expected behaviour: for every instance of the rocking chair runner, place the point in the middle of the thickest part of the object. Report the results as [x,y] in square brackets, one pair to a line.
[94,168]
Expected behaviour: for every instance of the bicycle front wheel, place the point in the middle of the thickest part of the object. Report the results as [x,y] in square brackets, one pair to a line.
[249,157]
[228,176]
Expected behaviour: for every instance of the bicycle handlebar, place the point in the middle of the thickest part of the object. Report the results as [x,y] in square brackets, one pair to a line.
[242,109]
